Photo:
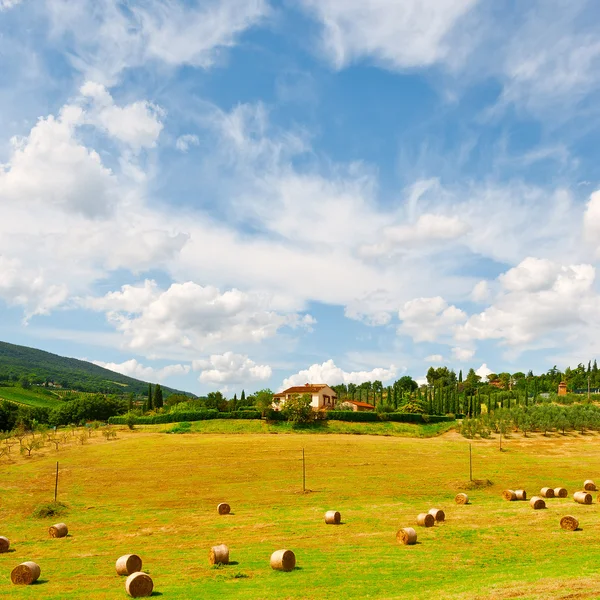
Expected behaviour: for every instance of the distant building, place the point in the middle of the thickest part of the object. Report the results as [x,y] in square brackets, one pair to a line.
[562,388]
[357,406]
[323,397]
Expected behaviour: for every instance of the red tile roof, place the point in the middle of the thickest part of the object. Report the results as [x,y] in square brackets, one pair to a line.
[363,404]
[303,389]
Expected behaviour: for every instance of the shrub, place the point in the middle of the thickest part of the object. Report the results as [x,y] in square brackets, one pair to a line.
[50,509]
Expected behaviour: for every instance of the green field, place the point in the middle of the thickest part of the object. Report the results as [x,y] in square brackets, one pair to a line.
[30,397]
[156,495]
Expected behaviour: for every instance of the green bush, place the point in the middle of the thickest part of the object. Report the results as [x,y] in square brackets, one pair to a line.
[350,415]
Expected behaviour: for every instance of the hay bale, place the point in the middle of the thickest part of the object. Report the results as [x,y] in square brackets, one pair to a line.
[219,555]
[59,530]
[25,574]
[547,492]
[4,544]
[461,499]
[582,498]
[128,564]
[438,514]
[589,486]
[569,523]
[283,560]
[521,494]
[224,508]
[425,520]
[561,492]
[537,503]
[407,536]
[139,585]
[333,517]
[509,495]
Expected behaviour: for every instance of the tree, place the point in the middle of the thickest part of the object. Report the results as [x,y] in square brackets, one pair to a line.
[25,382]
[158,396]
[149,403]
[264,400]
[243,397]
[298,410]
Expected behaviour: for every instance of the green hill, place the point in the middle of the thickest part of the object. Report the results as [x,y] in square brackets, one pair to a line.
[68,373]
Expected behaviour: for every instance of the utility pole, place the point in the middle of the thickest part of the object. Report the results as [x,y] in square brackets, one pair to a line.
[588,387]
[470,464]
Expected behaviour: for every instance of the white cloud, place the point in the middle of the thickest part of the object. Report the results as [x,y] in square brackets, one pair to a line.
[330,374]
[481,292]
[21,287]
[462,354]
[50,167]
[190,316]
[108,38]
[591,223]
[483,372]
[427,319]
[539,299]
[429,229]
[434,358]
[132,368]
[6,4]
[184,142]
[230,368]
[398,35]
[137,124]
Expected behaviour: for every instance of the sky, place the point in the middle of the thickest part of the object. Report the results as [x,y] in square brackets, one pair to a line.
[241,194]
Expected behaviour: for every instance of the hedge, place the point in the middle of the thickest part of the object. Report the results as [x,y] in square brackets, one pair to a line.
[180,417]
[332,415]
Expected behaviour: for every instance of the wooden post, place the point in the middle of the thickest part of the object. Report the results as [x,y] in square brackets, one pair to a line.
[56,483]
[303,472]
[470,464]
[500,441]
[588,387]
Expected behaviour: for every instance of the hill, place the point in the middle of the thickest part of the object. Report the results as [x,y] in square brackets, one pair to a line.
[68,373]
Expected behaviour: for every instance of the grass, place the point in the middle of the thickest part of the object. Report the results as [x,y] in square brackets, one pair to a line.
[226,426]
[156,495]
[30,397]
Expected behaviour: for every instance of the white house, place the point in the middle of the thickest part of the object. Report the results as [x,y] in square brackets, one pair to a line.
[322,395]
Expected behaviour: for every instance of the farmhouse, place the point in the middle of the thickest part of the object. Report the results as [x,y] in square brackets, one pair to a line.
[322,395]
[357,406]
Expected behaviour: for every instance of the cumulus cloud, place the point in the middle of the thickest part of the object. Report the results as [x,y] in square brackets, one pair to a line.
[434,358]
[50,167]
[330,374]
[132,368]
[6,4]
[137,124]
[539,298]
[483,372]
[191,316]
[398,35]
[230,368]
[591,223]
[427,319]
[481,292]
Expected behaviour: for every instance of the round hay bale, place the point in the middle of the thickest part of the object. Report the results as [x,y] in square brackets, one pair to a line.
[561,492]
[425,520]
[59,530]
[438,514]
[509,495]
[219,555]
[139,585]
[25,574]
[224,508]
[128,564]
[461,499]
[333,517]
[589,486]
[582,498]
[407,536]
[547,492]
[4,544]
[283,560]
[537,503]
[521,494]
[569,523]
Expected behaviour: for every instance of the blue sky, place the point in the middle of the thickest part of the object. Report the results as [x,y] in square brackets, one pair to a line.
[228,194]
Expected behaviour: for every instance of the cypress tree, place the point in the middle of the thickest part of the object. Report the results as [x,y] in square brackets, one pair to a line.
[243,398]
[460,376]
[149,403]
[234,402]
[158,396]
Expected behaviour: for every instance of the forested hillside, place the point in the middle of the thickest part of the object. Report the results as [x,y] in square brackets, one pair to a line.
[36,367]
